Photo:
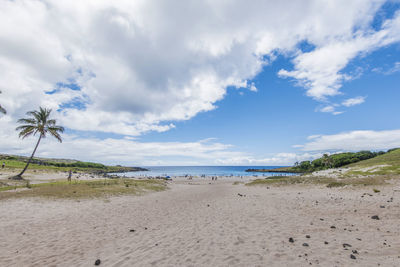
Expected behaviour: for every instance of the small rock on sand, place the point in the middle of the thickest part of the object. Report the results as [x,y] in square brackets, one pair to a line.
[291,240]
[375,217]
[97,262]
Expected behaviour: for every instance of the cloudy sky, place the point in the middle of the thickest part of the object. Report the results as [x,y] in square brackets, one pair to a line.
[209,82]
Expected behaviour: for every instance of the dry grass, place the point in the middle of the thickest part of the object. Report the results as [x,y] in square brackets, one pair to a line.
[81,189]
[328,181]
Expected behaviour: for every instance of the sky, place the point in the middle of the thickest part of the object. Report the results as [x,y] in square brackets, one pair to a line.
[194,82]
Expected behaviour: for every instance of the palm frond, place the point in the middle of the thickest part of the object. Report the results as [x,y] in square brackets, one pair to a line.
[51,122]
[54,133]
[34,114]
[25,131]
[27,121]
[39,122]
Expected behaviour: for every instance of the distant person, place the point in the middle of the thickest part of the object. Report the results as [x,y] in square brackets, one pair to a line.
[3,165]
[69,175]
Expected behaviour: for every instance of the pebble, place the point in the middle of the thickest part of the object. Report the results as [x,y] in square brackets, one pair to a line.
[132,230]
[352,256]
[97,262]
[308,236]
[305,245]
[333,227]
[291,240]
[375,217]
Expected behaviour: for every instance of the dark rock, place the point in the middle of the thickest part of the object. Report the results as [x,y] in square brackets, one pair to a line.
[346,245]
[321,219]
[382,207]
[375,217]
[352,257]
[145,228]
[333,227]
[308,236]
[326,242]
[291,240]
[97,262]
[305,245]
[354,251]
[208,205]
[132,230]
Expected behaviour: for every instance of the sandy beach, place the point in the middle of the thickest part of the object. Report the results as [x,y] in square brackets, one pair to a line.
[204,223]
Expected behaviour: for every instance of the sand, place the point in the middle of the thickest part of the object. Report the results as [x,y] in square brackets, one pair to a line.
[200,224]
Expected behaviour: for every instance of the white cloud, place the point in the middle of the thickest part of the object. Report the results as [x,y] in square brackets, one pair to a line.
[328,109]
[132,152]
[143,64]
[319,71]
[353,141]
[354,101]
[278,159]
[393,69]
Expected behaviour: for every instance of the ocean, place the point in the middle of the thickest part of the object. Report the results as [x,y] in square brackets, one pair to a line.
[203,170]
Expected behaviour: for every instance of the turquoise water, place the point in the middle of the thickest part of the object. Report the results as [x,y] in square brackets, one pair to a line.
[203,170]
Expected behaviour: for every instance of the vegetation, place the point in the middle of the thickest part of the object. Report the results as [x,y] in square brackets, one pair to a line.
[326,162]
[385,164]
[328,181]
[18,162]
[80,189]
[39,122]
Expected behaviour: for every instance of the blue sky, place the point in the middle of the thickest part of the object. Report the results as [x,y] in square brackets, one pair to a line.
[266,83]
[279,115]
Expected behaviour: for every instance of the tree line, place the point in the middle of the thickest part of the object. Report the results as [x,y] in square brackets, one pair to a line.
[335,160]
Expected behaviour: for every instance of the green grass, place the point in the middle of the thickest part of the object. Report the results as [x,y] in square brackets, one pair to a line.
[18,164]
[391,158]
[328,181]
[81,189]
[386,164]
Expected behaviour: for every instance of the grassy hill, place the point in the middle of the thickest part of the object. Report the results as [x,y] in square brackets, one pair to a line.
[386,164]
[18,162]
[390,158]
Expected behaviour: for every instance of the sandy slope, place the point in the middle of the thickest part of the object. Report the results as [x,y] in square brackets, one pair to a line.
[200,224]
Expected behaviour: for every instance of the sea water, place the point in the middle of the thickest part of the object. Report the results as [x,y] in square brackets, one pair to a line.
[234,171]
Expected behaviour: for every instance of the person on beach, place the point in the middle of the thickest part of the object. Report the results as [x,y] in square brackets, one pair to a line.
[3,165]
[69,175]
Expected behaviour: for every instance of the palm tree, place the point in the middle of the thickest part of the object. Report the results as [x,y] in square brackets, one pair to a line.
[40,123]
[2,110]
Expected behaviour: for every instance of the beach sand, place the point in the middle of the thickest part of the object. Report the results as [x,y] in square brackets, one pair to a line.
[196,223]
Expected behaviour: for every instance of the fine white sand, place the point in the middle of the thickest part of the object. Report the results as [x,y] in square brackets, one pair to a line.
[200,224]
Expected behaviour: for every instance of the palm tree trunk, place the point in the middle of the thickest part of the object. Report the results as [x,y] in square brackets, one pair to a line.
[19,176]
